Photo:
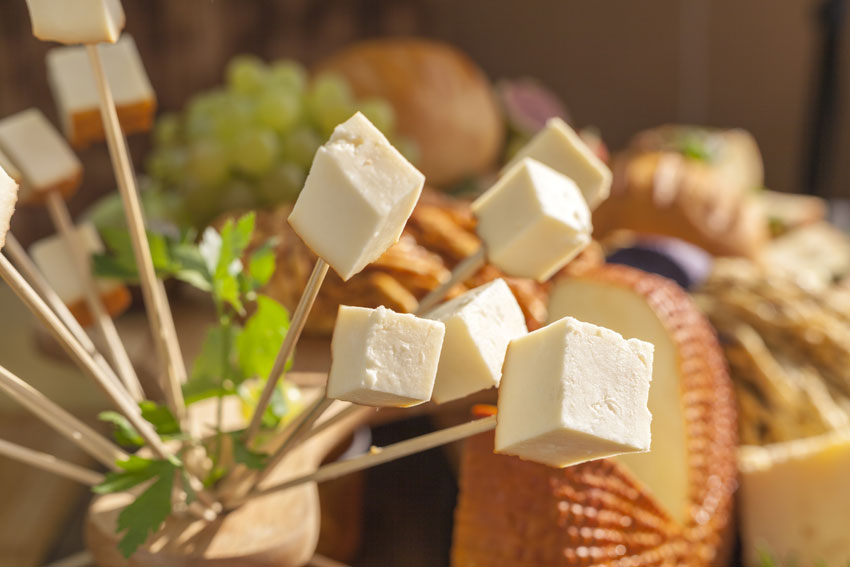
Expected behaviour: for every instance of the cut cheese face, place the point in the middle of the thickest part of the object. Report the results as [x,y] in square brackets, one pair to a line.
[40,154]
[532,221]
[664,470]
[479,325]
[795,501]
[8,197]
[357,198]
[558,146]
[72,82]
[574,392]
[77,21]
[382,358]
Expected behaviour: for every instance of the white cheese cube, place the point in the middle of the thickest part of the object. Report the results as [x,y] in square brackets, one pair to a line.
[532,221]
[479,325]
[382,358]
[558,146]
[8,197]
[43,157]
[357,197]
[72,82]
[76,21]
[573,392]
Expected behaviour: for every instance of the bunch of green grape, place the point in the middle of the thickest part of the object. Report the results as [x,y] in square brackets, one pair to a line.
[250,143]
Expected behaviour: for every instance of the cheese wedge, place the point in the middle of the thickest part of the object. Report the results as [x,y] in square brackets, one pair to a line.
[558,146]
[72,83]
[40,154]
[795,501]
[382,358]
[479,325]
[77,21]
[357,197]
[55,262]
[8,197]
[533,221]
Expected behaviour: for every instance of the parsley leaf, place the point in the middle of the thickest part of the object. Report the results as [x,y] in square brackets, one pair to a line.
[124,434]
[208,369]
[244,455]
[146,514]
[159,416]
[258,344]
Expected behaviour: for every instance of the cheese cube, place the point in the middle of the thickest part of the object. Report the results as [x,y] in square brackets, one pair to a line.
[382,358]
[76,21]
[8,197]
[43,157]
[532,221]
[74,89]
[573,392]
[357,197]
[56,263]
[479,325]
[558,146]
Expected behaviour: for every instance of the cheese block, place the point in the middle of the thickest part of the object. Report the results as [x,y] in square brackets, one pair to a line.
[382,358]
[53,259]
[479,325]
[795,501]
[77,21]
[574,392]
[670,506]
[8,197]
[72,83]
[561,148]
[533,221]
[43,158]
[357,197]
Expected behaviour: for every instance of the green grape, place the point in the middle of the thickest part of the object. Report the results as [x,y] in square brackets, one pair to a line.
[330,101]
[167,165]
[255,151]
[300,145]
[283,183]
[231,116]
[380,113]
[208,162]
[238,195]
[246,74]
[167,130]
[288,74]
[279,109]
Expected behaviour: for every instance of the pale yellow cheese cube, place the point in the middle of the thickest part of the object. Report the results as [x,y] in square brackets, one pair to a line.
[382,358]
[72,82]
[574,392]
[558,146]
[357,198]
[40,154]
[8,197]
[532,221]
[479,325]
[77,21]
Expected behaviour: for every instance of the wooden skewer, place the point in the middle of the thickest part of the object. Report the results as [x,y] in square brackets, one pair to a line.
[342,414]
[462,272]
[296,326]
[117,353]
[50,463]
[385,455]
[93,443]
[156,302]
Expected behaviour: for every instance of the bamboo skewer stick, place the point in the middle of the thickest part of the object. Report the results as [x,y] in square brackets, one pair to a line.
[93,443]
[156,302]
[296,326]
[117,353]
[462,272]
[50,463]
[383,455]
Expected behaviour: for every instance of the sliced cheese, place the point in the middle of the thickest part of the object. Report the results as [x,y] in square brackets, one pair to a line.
[8,197]
[77,21]
[357,198]
[383,358]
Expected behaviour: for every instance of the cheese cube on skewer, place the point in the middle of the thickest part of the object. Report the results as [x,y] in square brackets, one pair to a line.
[74,89]
[382,358]
[43,157]
[532,221]
[357,197]
[479,325]
[8,197]
[77,21]
[573,392]
[558,146]
[52,257]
